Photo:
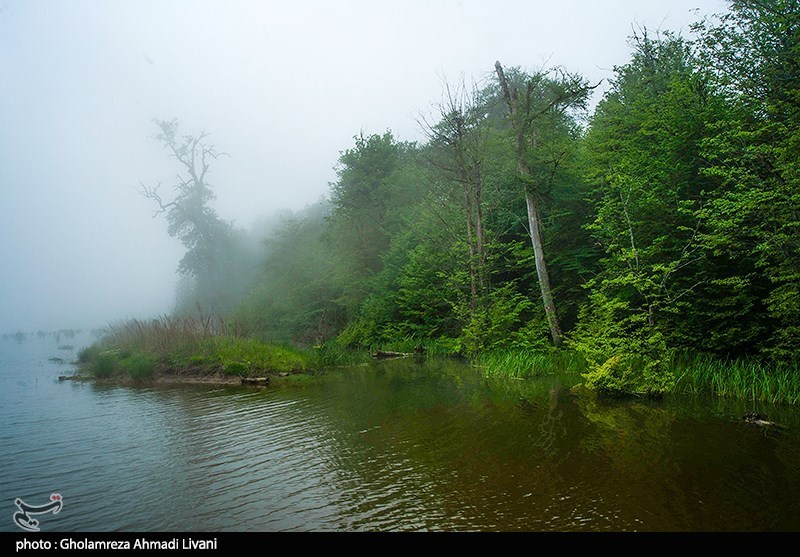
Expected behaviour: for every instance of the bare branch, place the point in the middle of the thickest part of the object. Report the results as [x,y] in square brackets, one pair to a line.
[151,192]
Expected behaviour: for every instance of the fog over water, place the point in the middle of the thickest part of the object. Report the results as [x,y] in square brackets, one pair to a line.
[280,86]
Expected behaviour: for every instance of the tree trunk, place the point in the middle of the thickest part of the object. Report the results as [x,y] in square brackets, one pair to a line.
[473,278]
[534,215]
[541,268]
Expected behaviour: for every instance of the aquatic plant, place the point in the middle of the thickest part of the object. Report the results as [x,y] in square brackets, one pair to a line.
[744,378]
[523,364]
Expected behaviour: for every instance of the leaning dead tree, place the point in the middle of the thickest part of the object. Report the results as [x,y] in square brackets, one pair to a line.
[530,109]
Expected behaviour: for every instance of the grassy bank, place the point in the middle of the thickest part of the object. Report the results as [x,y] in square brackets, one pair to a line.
[526,364]
[192,347]
[186,347]
[747,379]
[145,350]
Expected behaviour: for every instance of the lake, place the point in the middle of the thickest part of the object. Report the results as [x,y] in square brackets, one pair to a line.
[399,446]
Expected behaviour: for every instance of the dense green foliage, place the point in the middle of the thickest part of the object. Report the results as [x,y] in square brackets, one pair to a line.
[669,220]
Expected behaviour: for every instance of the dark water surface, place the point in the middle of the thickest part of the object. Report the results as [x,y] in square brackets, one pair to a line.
[397,446]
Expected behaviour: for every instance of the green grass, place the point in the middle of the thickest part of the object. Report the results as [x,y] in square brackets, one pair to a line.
[89,354]
[744,378]
[256,356]
[105,363]
[525,364]
[333,354]
[139,366]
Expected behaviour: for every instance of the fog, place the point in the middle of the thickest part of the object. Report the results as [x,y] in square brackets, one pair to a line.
[280,86]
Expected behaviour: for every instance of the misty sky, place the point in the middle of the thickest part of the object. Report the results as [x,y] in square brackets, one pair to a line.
[281,86]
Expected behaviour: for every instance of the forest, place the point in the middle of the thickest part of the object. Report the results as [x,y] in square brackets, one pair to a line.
[657,233]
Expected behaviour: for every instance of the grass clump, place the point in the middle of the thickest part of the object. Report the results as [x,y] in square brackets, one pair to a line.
[236,368]
[674,373]
[89,354]
[526,364]
[255,355]
[333,354]
[139,366]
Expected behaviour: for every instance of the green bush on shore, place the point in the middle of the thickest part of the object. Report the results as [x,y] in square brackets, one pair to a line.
[139,366]
[105,363]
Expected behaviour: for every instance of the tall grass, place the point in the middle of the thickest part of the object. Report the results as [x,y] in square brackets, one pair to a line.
[525,364]
[333,354]
[744,378]
[141,367]
[199,345]
[105,363]
[165,336]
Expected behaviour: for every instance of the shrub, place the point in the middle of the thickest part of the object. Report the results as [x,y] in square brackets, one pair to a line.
[626,373]
[140,366]
[236,368]
[105,363]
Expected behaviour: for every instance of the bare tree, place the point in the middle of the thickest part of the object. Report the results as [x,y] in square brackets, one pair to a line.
[460,133]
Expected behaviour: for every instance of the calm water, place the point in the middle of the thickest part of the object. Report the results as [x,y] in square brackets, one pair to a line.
[398,446]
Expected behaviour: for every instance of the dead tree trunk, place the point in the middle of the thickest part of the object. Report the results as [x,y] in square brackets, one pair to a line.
[534,217]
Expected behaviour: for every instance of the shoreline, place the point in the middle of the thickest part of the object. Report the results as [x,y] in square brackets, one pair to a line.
[187,378]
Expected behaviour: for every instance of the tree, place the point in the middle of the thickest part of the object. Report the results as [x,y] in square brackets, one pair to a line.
[210,242]
[368,203]
[542,103]
[752,56]
[457,142]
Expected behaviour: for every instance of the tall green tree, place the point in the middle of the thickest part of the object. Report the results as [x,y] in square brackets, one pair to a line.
[458,152]
[645,163]
[369,201]
[296,297]
[752,55]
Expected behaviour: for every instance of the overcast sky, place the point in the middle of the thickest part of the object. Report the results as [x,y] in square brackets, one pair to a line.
[281,86]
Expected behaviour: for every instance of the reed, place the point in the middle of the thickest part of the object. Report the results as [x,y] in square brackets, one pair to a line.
[333,354]
[164,336]
[744,378]
[524,364]
[198,345]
